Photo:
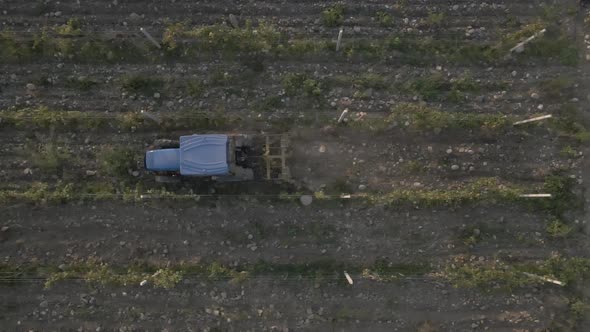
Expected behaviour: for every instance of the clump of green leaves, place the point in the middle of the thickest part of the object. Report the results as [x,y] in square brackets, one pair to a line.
[500,275]
[558,229]
[260,39]
[116,161]
[268,104]
[558,88]
[384,19]
[102,274]
[485,189]
[171,33]
[425,118]
[141,84]
[195,88]
[292,82]
[82,83]
[568,124]
[580,309]
[297,83]
[333,16]
[435,18]
[50,158]
[383,270]
[429,87]
[372,81]
[312,88]
[568,152]
[72,27]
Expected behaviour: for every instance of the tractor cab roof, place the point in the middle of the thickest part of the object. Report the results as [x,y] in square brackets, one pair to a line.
[204,155]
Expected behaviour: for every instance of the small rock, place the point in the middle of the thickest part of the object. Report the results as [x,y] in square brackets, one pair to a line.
[514,73]
[455,167]
[31,87]
[157,95]
[535,95]
[449,151]
[135,173]
[234,21]
[362,187]
[540,107]
[43,304]
[143,283]
[306,199]
[90,173]
[27,171]
[4,229]
[134,17]
[322,148]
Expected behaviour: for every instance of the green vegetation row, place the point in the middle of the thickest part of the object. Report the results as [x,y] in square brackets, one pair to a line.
[417,116]
[482,190]
[492,275]
[44,118]
[100,273]
[495,274]
[265,39]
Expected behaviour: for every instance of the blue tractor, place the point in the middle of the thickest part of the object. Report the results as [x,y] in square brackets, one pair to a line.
[220,157]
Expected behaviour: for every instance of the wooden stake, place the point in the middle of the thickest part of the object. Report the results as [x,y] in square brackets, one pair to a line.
[348,278]
[150,38]
[151,116]
[539,118]
[343,115]
[339,39]
[519,48]
[553,281]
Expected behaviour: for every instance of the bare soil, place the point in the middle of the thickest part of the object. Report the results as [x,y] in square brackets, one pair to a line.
[324,157]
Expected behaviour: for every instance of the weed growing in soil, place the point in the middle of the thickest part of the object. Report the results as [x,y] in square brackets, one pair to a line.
[435,19]
[140,84]
[563,199]
[371,81]
[116,161]
[298,83]
[268,104]
[423,118]
[195,88]
[384,19]
[558,88]
[580,309]
[567,123]
[557,229]
[71,28]
[493,275]
[487,189]
[568,152]
[81,83]
[333,16]
[262,38]
[98,273]
[49,158]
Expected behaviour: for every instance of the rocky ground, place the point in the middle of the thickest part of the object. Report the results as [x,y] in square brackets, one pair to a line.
[370,154]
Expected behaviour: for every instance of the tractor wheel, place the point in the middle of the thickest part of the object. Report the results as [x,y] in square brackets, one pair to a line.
[165,144]
[167,179]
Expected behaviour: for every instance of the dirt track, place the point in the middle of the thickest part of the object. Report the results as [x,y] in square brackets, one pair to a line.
[337,159]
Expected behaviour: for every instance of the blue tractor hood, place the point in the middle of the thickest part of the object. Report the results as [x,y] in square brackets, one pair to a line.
[204,155]
[163,160]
